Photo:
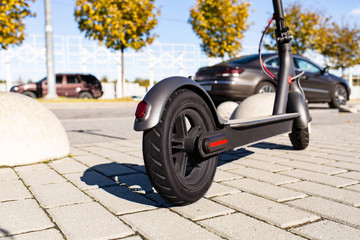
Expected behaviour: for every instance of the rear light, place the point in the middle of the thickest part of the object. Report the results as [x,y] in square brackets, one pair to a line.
[229,71]
[141,110]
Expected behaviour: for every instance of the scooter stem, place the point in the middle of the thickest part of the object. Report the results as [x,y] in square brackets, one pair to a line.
[286,70]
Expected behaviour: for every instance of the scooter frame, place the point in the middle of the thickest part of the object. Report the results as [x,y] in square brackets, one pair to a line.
[290,108]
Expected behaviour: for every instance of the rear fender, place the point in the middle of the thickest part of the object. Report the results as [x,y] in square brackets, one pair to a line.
[158,96]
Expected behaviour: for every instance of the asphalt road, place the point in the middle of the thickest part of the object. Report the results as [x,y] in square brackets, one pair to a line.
[102,122]
[96,122]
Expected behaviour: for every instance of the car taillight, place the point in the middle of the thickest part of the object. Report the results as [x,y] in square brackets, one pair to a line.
[230,71]
[141,110]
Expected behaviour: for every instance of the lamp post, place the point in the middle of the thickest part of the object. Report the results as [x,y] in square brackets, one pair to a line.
[49,52]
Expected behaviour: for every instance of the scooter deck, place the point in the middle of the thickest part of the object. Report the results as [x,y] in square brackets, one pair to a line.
[240,132]
[248,122]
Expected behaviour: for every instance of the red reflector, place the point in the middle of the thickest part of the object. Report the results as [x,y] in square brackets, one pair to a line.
[141,109]
[289,80]
[221,142]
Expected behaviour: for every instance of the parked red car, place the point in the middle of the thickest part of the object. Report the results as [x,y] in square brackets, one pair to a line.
[67,85]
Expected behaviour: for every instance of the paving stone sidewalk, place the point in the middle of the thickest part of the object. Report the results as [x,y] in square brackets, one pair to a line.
[263,191]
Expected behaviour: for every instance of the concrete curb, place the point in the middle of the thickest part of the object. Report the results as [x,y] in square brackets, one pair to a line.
[29,131]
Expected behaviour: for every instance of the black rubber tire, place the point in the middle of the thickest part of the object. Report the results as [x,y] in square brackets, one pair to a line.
[264,87]
[85,95]
[29,94]
[299,138]
[173,164]
[339,96]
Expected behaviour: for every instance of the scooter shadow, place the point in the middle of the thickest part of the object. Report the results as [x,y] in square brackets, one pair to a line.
[124,181]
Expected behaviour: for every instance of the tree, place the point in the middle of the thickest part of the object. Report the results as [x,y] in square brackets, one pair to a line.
[220,24]
[12,14]
[304,26]
[340,46]
[118,24]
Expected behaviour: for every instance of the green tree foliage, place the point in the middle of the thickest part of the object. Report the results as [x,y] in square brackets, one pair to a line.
[340,46]
[118,24]
[304,25]
[12,14]
[220,24]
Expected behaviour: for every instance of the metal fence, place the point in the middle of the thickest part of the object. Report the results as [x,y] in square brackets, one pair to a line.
[74,54]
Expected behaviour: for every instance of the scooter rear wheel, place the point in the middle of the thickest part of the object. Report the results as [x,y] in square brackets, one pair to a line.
[173,164]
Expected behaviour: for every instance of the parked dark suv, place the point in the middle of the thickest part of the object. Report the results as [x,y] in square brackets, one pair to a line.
[67,85]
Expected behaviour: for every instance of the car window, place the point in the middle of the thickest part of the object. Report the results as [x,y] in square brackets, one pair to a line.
[89,78]
[72,79]
[306,66]
[273,62]
[59,79]
[244,60]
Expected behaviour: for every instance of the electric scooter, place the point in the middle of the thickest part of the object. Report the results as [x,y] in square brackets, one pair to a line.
[183,134]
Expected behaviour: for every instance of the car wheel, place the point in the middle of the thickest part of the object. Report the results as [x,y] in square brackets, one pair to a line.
[264,87]
[85,95]
[339,96]
[29,94]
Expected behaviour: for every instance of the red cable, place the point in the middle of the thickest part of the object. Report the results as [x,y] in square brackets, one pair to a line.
[261,61]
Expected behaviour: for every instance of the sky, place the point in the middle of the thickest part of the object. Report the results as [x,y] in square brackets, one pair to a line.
[173,26]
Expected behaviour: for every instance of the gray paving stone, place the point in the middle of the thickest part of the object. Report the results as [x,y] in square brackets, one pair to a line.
[273,178]
[240,226]
[330,209]
[302,158]
[340,152]
[89,180]
[266,190]
[202,209]
[22,216]
[13,190]
[88,221]
[58,194]
[267,158]
[315,167]
[225,176]
[33,167]
[52,234]
[218,189]
[121,200]
[7,174]
[342,158]
[92,160]
[132,238]
[320,178]
[267,210]
[164,224]
[40,177]
[354,187]
[139,183]
[262,165]
[351,175]
[77,152]
[68,165]
[229,166]
[333,193]
[328,230]
[113,169]
[346,165]
[124,158]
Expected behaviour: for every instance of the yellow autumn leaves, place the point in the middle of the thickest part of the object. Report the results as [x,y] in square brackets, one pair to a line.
[118,23]
[220,24]
[12,14]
